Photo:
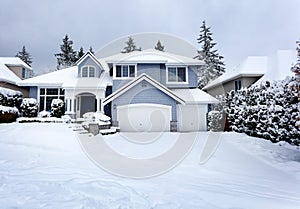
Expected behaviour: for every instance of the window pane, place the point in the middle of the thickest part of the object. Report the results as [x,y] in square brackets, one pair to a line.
[92,72]
[61,91]
[181,74]
[84,72]
[48,102]
[52,91]
[125,71]
[132,70]
[23,72]
[42,102]
[171,74]
[42,91]
[118,71]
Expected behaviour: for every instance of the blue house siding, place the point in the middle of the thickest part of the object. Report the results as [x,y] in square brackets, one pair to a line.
[90,62]
[158,72]
[144,92]
[33,92]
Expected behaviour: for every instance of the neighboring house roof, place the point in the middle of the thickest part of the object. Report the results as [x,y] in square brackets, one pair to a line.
[195,96]
[275,67]
[252,66]
[136,81]
[279,66]
[67,77]
[6,74]
[151,56]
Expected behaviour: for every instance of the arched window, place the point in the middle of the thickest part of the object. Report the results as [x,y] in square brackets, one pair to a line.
[88,71]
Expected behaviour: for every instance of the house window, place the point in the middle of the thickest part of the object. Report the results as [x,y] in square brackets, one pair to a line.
[125,71]
[47,95]
[88,71]
[237,84]
[177,74]
[25,73]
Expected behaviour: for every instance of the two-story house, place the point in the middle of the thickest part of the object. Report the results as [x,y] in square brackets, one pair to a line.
[145,90]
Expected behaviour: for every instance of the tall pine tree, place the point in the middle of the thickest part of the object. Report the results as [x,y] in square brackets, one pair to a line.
[130,46]
[159,46]
[67,57]
[80,53]
[25,56]
[91,50]
[214,66]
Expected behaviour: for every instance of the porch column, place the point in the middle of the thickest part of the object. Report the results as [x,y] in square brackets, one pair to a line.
[98,104]
[72,106]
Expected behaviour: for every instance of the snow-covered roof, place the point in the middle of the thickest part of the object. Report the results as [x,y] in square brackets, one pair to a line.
[6,74]
[102,82]
[56,78]
[279,66]
[274,67]
[195,96]
[252,66]
[136,81]
[67,78]
[151,56]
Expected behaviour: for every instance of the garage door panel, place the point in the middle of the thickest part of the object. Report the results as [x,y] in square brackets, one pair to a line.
[144,117]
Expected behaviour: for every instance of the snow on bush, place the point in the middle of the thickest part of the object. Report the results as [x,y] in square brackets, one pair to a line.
[268,111]
[10,98]
[8,114]
[57,108]
[29,107]
[215,120]
[44,114]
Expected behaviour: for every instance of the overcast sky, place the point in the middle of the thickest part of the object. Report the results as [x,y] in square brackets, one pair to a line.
[240,27]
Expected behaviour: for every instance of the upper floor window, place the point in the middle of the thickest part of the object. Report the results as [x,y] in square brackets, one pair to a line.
[177,74]
[25,73]
[125,71]
[237,84]
[88,71]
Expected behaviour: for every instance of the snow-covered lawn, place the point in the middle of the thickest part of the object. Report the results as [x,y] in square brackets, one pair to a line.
[44,166]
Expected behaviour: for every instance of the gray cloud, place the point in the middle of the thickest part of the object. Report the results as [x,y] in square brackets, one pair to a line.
[240,28]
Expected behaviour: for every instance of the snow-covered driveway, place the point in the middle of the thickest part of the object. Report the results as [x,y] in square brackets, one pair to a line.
[44,166]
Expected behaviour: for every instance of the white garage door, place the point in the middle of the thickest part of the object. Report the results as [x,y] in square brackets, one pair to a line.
[144,117]
[191,117]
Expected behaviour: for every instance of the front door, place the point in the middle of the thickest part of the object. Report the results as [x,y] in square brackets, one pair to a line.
[87,104]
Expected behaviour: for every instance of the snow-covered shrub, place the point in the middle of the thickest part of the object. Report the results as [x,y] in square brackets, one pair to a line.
[215,120]
[10,98]
[57,108]
[8,114]
[66,118]
[29,107]
[44,114]
[268,110]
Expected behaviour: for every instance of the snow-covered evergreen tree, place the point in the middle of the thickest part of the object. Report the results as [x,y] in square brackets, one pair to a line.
[130,46]
[67,57]
[91,50]
[296,84]
[268,110]
[25,56]
[214,66]
[80,53]
[159,46]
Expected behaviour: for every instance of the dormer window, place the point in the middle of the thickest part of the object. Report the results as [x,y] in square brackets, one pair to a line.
[177,74]
[125,71]
[25,73]
[88,71]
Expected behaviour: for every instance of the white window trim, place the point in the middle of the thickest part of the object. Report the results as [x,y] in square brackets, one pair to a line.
[45,95]
[88,71]
[124,78]
[177,82]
